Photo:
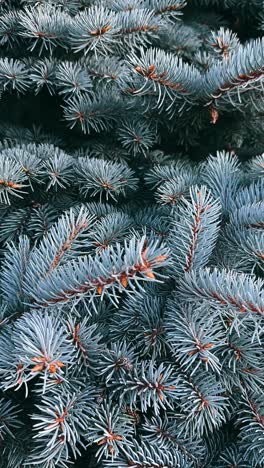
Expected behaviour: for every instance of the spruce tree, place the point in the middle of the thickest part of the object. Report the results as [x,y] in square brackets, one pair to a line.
[131,232]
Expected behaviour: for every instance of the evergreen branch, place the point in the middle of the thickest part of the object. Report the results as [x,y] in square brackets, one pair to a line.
[94,29]
[145,456]
[93,113]
[112,228]
[206,407]
[14,75]
[44,26]
[241,356]
[41,349]
[232,455]
[29,163]
[136,136]
[114,270]
[249,195]
[116,362]
[13,273]
[106,70]
[43,74]
[229,289]
[57,168]
[154,220]
[149,334]
[256,167]
[9,28]
[224,42]
[13,224]
[109,179]
[8,418]
[87,343]
[163,73]
[63,242]
[60,429]
[165,433]
[72,79]
[154,386]
[110,431]
[252,423]
[194,337]
[231,79]
[245,247]
[194,234]
[41,220]
[167,8]
[173,191]
[121,5]
[249,216]
[222,175]
[137,26]
[177,170]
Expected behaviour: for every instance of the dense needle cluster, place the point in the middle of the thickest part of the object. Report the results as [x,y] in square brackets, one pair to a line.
[131,234]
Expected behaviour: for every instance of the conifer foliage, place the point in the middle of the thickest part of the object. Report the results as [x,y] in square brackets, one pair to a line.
[131,233]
